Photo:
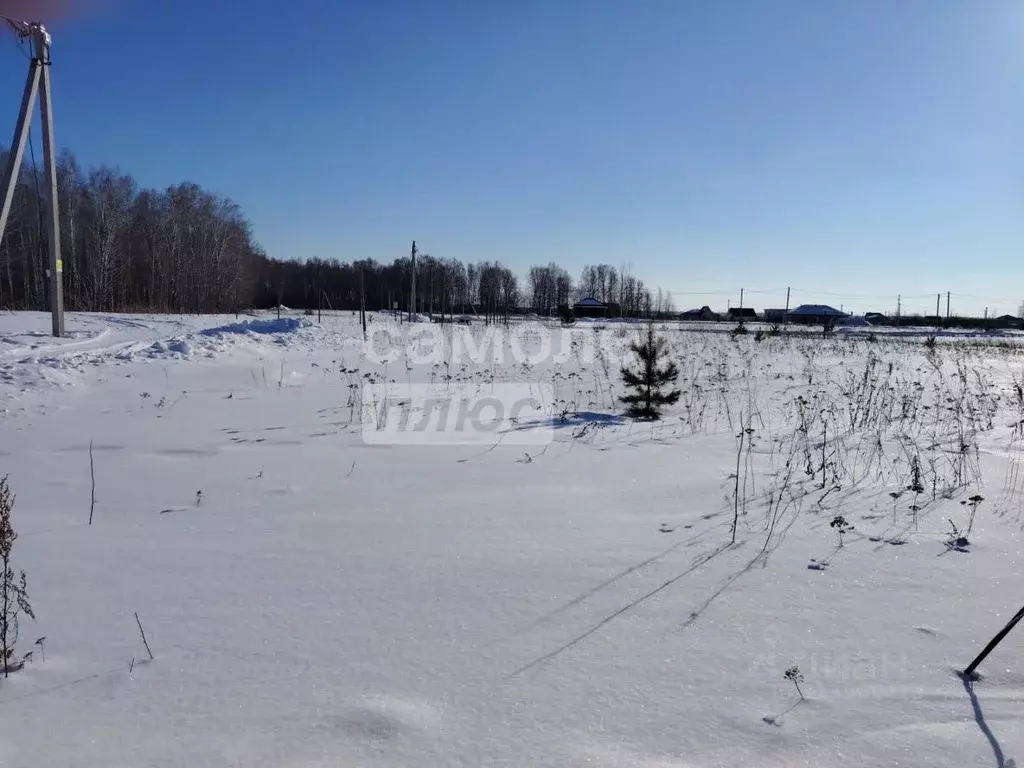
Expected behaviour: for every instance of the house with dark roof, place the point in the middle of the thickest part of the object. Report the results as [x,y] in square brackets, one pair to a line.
[591,307]
[742,313]
[817,314]
[704,313]
[1008,321]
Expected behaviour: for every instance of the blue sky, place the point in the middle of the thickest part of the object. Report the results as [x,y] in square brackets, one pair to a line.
[852,150]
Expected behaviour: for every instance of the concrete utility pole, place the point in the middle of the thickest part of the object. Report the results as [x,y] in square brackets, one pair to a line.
[38,82]
[412,298]
[947,307]
[362,302]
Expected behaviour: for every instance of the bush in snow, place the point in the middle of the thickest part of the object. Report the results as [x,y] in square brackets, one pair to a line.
[13,591]
[648,383]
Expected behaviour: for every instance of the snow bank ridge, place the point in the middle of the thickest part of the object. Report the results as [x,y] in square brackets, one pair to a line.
[210,341]
[269,325]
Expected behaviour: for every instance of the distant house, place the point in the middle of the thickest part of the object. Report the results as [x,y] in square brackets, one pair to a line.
[1008,321]
[742,313]
[775,315]
[704,313]
[591,307]
[876,318]
[817,314]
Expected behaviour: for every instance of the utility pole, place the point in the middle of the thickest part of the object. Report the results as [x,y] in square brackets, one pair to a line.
[947,307]
[362,302]
[38,82]
[741,301]
[899,307]
[938,317]
[787,304]
[319,294]
[412,301]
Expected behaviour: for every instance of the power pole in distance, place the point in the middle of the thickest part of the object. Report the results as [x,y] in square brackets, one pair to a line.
[362,302]
[412,299]
[38,82]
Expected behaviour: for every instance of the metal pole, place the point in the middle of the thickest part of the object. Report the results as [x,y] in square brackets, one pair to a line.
[938,317]
[995,641]
[42,49]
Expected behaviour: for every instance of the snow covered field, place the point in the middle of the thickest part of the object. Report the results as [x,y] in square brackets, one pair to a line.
[312,599]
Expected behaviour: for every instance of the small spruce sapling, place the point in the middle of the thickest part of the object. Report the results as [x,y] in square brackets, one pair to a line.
[649,383]
[13,589]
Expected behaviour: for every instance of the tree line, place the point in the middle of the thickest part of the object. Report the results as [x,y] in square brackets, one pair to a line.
[184,249]
[447,287]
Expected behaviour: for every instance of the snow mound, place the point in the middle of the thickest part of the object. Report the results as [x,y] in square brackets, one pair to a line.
[174,349]
[266,326]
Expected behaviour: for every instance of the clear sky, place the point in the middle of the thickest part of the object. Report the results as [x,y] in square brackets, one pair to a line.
[852,149]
